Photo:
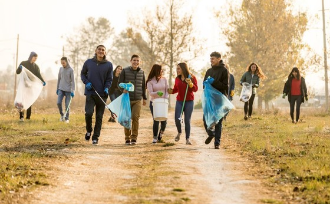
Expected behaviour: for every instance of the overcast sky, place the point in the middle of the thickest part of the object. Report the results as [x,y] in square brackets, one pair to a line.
[44,24]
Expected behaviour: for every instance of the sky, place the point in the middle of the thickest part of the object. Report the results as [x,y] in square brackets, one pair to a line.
[43,25]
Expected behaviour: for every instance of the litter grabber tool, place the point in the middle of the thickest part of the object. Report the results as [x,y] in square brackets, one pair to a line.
[103,101]
[184,101]
[67,109]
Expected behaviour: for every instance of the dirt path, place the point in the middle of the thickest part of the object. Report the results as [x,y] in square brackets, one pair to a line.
[115,173]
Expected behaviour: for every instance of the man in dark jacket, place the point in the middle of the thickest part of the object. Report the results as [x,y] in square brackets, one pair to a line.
[97,77]
[135,75]
[220,75]
[34,69]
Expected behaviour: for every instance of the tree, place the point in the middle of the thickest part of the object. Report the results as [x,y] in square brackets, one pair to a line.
[268,33]
[81,45]
[165,36]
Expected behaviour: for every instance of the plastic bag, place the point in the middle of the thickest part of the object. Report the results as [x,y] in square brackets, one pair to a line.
[127,86]
[29,88]
[246,92]
[215,105]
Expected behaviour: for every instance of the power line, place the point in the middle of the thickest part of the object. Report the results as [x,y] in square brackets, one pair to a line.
[42,45]
[7,40]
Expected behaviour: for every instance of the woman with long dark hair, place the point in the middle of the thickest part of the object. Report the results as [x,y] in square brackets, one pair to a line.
[157,87]
[296,90]
[185,85]
[252,76]
[114,91]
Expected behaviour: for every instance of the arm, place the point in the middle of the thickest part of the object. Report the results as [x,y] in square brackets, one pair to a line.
[73,83]
[108,80]
[151,90]
[243,79]
[195,87]
[59,78]
[166,88]
[38,74]
[232,82]
[175,88]
[83,74]
[205,77]
[144,95]
[19,70]
[222,84]
[286,88]
[121,80]
[304,87]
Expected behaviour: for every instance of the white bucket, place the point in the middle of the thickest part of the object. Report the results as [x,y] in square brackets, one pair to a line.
[160,109]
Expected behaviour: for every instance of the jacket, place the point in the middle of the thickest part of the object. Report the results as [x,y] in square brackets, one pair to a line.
[99,73]
[181,86]
[254,80]
[154,86]
[137,78]
[65,81]
[231,86]
[114,85]
[33,68]
[220,75]
[303,89]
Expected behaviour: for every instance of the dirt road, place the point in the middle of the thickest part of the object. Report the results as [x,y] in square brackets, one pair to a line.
[145,173]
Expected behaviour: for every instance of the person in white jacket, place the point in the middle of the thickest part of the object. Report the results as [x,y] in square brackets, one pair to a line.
[65,88]
[157,87]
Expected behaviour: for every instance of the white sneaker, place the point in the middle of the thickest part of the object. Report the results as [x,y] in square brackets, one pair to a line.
[66,121]
[154,141]
[188,142]
[62,118]
[177,138]
[21,119]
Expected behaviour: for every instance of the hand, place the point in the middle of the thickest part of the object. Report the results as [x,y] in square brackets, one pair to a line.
[188,80]
[72,94]
[232,93]
[144,102]
[240,83]
[255,86]
[89,86]
[160,93]
[125,91]
[57,91]
[170,91]
[44,83]
[106,91]
[284,95]
[210,80]
[306,97]
[20,66]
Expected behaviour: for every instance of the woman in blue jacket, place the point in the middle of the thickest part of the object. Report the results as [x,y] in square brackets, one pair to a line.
[252,76]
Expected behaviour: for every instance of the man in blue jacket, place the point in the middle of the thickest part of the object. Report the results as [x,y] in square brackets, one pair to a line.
[97,77]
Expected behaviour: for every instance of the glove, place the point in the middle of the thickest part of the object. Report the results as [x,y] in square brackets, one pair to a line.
[106,91]
[72,94]
[127,86]
[44,83]
[284,95]
[160,93]
[20,66]
[232,92]
[57,91]
[89,86]
[209,80]
[255,86]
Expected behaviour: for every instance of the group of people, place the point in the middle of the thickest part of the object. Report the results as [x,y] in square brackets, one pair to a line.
[102,81]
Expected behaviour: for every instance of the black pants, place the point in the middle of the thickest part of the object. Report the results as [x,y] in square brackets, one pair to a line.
[216,133]
[248,106]
[28,113]
[293,100]
[91,102]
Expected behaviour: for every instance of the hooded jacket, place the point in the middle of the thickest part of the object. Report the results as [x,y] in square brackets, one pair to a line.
[220,75]
[32,67]
[99,73]
[65,80]
[303,89]
[251,79]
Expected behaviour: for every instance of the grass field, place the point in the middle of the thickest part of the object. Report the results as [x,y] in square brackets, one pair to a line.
[293,159]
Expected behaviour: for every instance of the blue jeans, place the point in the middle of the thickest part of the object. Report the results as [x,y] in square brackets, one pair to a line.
[216,133]
[156,123]
[187,110]
[60,97]
[91,102]
[114,95]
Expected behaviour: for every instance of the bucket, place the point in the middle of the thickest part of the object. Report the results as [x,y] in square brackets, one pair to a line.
[160,109]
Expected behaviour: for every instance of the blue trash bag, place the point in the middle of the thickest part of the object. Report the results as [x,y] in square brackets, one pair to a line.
[127,86]
[215,105]
[121,107]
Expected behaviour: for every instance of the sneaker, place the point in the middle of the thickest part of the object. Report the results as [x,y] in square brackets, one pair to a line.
[216,146]
[177,138]
[112,120]
[249,117]
[160,135]
[87,136]
[209,139]
[154,141]
[133,142]
[128,142]
[62,118]
[95,142]
[245,117]
[21,120]
[293,121]
[66,121]
[188,142]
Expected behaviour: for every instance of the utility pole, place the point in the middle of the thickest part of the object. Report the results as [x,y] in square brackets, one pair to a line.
[325,62]
[63,51]
[16,66]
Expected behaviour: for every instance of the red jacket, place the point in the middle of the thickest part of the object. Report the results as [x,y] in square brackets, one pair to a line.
[180,88]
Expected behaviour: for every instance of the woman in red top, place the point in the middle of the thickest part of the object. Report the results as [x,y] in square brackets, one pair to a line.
[185,84]
[296,90]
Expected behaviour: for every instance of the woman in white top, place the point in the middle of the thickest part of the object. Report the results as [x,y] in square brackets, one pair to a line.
[157,87]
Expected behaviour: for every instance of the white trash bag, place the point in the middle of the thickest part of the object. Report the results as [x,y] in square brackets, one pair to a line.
[29,88]
[246,92]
